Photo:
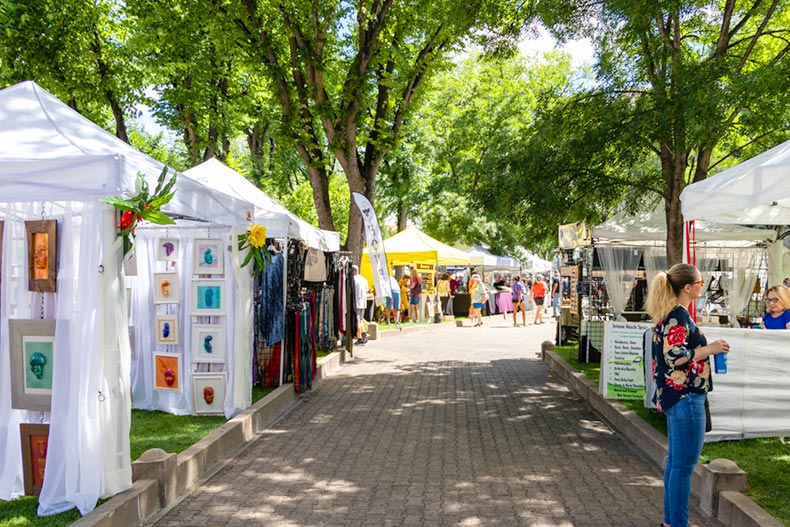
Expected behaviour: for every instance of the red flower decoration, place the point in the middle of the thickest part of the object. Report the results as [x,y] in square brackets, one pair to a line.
[127,219]
[676,335]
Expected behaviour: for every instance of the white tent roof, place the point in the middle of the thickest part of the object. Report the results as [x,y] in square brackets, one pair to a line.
[532,262]
[279,221]
[50,152]
[652,226]
[485,258]
[755,192]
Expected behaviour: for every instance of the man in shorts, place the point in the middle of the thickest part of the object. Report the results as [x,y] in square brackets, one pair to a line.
[392,307]
[360,303]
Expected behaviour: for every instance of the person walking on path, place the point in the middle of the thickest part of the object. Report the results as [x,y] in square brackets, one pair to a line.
[415,292]
[681,370]
[360,303]
[538,296]
[393,301]
[479,297]
[443,290]
[518,301]
[556,295]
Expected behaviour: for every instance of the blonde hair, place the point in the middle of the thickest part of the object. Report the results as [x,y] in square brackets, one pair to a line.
[662,295]
[782,292]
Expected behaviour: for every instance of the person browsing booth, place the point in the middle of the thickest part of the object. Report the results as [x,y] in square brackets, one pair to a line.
[360,303]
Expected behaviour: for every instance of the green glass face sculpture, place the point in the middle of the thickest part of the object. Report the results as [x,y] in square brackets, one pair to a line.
[37,363]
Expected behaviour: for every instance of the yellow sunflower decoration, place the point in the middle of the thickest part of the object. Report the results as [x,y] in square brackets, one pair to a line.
[255,240]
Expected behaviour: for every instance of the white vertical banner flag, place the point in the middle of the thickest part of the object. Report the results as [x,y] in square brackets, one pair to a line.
[378,260]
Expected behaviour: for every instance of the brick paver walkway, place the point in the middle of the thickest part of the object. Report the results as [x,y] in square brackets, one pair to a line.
[446,426]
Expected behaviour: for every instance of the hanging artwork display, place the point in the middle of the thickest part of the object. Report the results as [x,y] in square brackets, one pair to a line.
[32,345]
[167,371]
[208,392]
[209,257]
[208,297]
[166,329]
[167,249]
[35,441]
[166,288]
[42,256]
[208,343]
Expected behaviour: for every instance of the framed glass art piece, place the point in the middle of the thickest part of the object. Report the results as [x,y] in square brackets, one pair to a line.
[32,346]
[167,249]
[208,392]
[167,371]
[166,329]
[208,343]
[208,297]
[35,442]
[209,257]
[42,255]
[166,288]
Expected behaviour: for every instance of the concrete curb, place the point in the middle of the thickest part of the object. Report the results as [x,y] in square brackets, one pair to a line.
[718,484]
[161,479]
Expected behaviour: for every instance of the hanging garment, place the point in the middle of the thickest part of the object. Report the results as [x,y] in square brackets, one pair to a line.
[271,318]
[271,372]
[315,266]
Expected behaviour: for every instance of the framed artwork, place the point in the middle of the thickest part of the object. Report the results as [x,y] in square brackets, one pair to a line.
[35,441]
[208,343]
[167,249]
[166,289]
[209,257]
[167,371]
[208,297]
[32,345]
[208,392]
[166,329]
[42,255]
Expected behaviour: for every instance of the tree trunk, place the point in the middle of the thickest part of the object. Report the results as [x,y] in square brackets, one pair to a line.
[674,168]
[120,120]
[403,216]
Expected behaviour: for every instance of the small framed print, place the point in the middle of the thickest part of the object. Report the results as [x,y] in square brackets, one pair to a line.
[208,297]
[166,329]
[42,255]
[208,343]
[209,257]
[32,344]
[208,392]
[166,289]
[35,442]
[167,372]
[167,249]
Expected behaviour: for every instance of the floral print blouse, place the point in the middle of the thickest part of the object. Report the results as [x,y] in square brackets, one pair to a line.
[676,338]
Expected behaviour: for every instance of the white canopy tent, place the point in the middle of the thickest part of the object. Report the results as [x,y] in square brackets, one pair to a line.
[47,152]
[279,221]
[479,256]
[533,263]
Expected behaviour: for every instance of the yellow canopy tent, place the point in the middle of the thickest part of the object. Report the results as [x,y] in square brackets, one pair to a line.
[413,247]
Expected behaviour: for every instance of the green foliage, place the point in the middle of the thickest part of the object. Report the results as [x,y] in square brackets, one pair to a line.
[171,433]
[21,512]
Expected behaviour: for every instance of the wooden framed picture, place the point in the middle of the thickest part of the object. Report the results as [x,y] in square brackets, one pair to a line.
[167,372]
[208,392]
[209,257]
[32,346]
[35,442]
[166,329]
[208,297]
[166,288]
[42,255]
[208,343]
[167,249]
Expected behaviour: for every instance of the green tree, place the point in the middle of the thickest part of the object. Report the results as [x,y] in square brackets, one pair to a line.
[690,82]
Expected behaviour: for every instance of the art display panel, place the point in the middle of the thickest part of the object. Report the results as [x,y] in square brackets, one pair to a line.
[42,255]
[208,343]
[32,345]
[209,257]
[166,288]
[35,442]
[167,329]
[208,297]
[208,392]
[167,372]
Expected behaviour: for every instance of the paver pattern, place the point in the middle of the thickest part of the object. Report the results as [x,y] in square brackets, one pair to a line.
[447,426]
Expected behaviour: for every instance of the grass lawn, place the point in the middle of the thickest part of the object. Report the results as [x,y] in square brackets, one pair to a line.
[150,429]
[766,461]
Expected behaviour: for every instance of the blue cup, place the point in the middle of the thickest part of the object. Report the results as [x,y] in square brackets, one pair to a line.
[720,363]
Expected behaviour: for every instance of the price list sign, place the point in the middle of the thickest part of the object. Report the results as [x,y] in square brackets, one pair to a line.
[622,366]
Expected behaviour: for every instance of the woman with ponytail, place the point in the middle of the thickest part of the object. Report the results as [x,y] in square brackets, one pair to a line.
[681,370]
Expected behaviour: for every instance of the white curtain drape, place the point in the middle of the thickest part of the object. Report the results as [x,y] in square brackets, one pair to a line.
[655,259]
[739,283]
[619,265]
[238,334]
[776,272]
[89,435]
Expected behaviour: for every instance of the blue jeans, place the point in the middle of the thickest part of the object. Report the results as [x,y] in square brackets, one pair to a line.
[556,304]
[685,431]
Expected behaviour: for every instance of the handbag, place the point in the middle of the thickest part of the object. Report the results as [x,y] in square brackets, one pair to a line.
[708,423]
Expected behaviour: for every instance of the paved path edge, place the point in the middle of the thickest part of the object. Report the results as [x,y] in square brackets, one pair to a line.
[717,485]
[161,480]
